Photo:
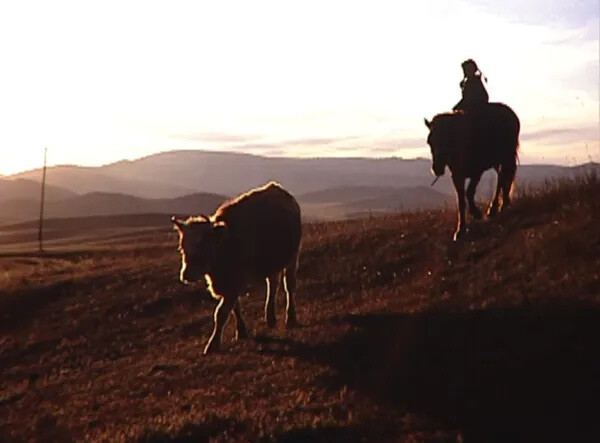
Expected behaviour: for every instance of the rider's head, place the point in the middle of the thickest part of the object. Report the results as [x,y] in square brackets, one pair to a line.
[470,68]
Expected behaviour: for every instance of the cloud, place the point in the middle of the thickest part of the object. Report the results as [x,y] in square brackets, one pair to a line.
[563,135]
[574,12]
[216,137]
[257,147]
[318,141]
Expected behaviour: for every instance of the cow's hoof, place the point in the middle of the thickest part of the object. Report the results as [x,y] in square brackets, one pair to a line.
[291,324]
[242,335]
[211,348]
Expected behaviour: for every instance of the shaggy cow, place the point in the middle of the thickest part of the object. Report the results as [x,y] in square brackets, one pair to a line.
[252,238]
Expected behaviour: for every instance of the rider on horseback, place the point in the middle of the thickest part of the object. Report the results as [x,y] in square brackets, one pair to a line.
[473,91]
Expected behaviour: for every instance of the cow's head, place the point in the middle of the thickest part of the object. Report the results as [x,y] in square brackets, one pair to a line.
[199,239]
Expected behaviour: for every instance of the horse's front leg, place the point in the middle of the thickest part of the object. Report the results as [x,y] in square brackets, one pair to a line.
[473,209]
[459,185]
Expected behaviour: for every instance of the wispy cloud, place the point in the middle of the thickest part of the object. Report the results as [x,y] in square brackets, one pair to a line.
[319,141]
[570,13]
[563,135]
[216,137]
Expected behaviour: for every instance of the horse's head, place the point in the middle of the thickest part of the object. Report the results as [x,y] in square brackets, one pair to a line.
[441,141]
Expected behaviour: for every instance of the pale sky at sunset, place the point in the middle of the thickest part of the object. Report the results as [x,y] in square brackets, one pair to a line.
[97,82]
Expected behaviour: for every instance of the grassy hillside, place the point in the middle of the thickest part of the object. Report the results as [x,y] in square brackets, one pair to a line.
[406,336]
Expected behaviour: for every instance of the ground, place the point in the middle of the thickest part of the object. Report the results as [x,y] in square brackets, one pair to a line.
[405,335]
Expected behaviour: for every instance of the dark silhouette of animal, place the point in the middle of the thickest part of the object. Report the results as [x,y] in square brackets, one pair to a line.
[470,143]
[255,237]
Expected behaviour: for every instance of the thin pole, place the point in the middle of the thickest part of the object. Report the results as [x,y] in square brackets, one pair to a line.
[40,231]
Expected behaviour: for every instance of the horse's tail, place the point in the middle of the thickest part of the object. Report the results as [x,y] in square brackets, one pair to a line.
[511,129]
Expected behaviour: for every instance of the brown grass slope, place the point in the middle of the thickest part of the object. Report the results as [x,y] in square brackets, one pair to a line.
[406,336]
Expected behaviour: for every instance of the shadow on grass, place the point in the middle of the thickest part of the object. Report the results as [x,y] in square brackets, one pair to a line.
[515,374]
[321,435]
[198,433]
[20,307]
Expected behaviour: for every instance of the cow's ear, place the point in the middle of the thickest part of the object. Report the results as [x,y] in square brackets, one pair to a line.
[220,228]
[177,223]
[427,123]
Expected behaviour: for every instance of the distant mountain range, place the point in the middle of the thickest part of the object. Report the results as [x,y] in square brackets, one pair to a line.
[190,182]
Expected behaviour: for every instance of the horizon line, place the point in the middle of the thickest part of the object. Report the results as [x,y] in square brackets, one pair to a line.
[263,156]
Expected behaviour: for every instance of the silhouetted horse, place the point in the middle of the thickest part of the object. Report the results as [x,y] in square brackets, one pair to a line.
[471,143]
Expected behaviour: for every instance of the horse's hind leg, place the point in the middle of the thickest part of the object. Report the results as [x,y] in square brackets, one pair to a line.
[473,209]
[493,208]
[459,185]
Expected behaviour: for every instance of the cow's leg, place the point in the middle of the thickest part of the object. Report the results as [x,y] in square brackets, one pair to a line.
[221,316]
[272,287]
[509,171]
[459,185]
[493,208]
[240,331]
[473,209]
[290,289]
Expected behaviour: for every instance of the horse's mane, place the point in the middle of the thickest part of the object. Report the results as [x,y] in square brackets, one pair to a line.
[447,120]
[444,116]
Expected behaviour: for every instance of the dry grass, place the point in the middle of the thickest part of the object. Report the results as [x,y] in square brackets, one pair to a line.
[406,336]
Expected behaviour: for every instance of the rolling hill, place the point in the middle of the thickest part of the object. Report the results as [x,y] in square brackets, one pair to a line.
[175,173]
[83,180]
[28,189]
[103,203]
[327,188]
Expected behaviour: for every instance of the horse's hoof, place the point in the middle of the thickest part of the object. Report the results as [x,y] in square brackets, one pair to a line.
[271,322]
[493,211]
[477,215]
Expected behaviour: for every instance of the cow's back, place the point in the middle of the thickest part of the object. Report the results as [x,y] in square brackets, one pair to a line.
[264,227]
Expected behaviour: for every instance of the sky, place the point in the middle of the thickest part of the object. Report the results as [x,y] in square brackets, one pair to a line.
[97,82]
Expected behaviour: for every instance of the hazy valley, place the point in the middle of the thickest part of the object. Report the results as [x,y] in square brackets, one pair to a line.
[191,182]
